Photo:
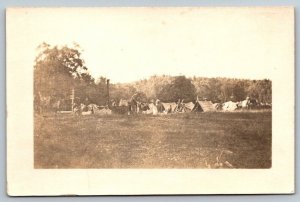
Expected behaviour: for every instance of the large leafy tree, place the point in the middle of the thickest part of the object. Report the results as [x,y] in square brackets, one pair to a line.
[57,70]
[179,88]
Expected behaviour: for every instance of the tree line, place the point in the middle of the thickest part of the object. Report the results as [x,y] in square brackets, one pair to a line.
[58,70]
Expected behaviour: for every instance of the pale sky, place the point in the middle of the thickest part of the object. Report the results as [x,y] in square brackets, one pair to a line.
[128,44]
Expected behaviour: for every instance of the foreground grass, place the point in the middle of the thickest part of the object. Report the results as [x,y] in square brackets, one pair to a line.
[172,141]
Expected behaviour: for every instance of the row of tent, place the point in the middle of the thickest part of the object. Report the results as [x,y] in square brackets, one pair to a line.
[166,107]
[170,107]
[200,106]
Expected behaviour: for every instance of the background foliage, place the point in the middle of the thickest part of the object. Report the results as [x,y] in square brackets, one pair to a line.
[58,70]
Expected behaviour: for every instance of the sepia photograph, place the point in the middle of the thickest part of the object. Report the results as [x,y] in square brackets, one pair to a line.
[162,121]
[167,89]
[160,100]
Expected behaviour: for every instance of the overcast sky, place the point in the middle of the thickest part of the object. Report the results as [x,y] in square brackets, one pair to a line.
[128,44]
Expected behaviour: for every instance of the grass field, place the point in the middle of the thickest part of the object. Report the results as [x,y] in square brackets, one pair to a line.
[190,140]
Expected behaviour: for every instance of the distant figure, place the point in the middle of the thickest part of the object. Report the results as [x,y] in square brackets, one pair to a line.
[159,106]
[169,109]
[113,103]
[86,102]
[157,102]
[77,108]
[138,107]
[132,104]
[180,106]
[92,110]
[177,106]
[154,110]
[83,107]
[253,103]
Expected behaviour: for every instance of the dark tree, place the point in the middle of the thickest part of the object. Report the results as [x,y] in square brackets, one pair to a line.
[179,88]
[261,90]
[57,70]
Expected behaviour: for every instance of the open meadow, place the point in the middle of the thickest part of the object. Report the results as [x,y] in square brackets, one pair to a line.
[188,140]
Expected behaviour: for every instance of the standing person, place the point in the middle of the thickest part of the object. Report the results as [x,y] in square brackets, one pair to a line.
[86,102]
[157,102]
[132,105]
[138,107]
[77,108]
[159,106]
[177,106]
[154,108]
[182,106]
[113,103]
[169,109]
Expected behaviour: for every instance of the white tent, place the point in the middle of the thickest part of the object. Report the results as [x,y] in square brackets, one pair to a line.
[152,110]
[245,103]
[229,106]
[123,102]
[94,109]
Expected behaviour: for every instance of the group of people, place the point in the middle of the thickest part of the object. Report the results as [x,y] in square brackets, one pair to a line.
[155,106]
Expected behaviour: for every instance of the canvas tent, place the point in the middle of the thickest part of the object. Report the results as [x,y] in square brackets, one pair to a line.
[229,106]
[168,104]
[123,102]
[185,107]
[104,111]
[245,103]
[94,109]
[204,106]
[152,110]
[189,106]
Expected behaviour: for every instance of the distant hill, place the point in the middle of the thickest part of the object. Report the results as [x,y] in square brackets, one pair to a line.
[215,89]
